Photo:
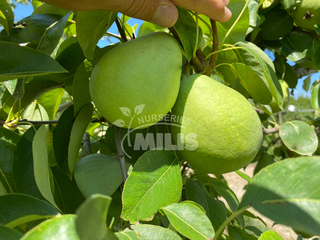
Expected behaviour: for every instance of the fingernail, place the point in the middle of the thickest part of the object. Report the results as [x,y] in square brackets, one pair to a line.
[226,2]
[165,16]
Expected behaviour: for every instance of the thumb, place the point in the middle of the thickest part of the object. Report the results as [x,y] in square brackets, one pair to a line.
[161,12]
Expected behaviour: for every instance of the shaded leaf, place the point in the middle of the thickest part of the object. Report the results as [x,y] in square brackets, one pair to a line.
[154,182]
[147,27]
[91,25]
[254,57]
[288,193]
[22,168]
[306,83]
[51,101]
[9,233]
[315,97]
[215,209]
[67,194]
[52,35]
[92,216]
[42,171]
[16,209]
[299,137]
[8,148]
[61,138]
[80,86]
[186,29]
[238,33]
[78,129]
[278,24]
[98,173]
[189,220]
[18,62]
[6,16]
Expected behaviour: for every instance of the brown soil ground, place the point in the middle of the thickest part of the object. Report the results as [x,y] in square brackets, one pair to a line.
[237,184]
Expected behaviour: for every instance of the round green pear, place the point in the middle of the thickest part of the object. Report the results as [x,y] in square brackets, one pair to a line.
[307,14]
[135,84]
[286,97]
[218,128]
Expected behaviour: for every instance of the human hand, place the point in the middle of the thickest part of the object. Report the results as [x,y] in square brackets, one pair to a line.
[160,12]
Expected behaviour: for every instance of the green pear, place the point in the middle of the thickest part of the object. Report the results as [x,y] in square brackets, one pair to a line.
[286,97]
[135,84]
[218,128]
[307,14]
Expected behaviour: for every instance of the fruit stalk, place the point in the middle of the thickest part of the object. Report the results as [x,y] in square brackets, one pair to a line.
[121,154]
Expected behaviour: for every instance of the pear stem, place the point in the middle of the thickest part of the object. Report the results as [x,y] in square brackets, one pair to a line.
[121,154]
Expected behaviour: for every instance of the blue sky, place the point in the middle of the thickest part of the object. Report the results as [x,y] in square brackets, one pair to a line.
[22,11]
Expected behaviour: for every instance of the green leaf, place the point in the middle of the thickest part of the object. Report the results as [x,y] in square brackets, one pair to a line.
[35,112]
[22,168]
[147,27]
[91,25]
[215,209]
[8,149]
[290,76]
[278,24]
[270,235]
[299,137]
[190,220]
[51,101]
[289,5]
[154,182]
[30,30]
[54,228]
[252,82]
[315,97]
[33,90]
[295,46]
[67,194]
[80,86]
[16,209]
[9,233]
[288,193]
[238,33]
[42,171]
[153,232]
[129,235]
[6,16]
[21,62]
[52,35]
[49,10]
[61,139]
[240,234]
[92,217]
[186,29]
[253,56]
[98,173]
[306,83]
[78,129]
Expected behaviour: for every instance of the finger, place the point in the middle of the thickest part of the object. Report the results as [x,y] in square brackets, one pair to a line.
[160,12]
[214,9]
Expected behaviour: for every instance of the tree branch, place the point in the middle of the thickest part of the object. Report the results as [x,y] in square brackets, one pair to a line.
[215,38]
[270,130]
[301,72]
[121,154]
[258,110]
[120,29]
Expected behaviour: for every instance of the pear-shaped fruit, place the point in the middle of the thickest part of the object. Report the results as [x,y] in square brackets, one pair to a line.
[136,83]
[218,127]
[307,14]
[286,97]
